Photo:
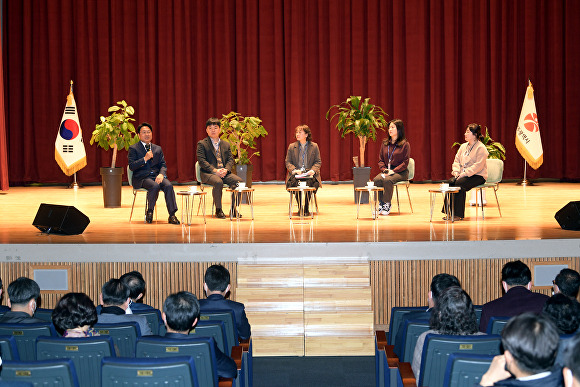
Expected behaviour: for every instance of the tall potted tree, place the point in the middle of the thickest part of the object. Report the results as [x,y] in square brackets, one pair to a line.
[241,132]
[362,119]
[114,132]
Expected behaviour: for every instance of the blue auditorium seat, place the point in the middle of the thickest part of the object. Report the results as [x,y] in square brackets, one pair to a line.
[177,371]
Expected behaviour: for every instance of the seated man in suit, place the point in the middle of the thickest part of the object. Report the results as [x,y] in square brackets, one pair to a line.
[572,369]
[217,286]
[115,300]
[530,343]
[567,282]
[439,283]
[180,314]
[22,295]
[516,279]
[216,162]
[150,172]
[136,284]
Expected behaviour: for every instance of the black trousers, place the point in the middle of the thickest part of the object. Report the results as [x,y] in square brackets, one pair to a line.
[466,183]
[293,182]
[153,193]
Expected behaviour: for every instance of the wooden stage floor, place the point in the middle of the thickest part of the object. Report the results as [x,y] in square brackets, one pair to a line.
[528,213]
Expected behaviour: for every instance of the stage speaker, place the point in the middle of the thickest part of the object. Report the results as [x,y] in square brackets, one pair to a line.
[569,216]
[53,218]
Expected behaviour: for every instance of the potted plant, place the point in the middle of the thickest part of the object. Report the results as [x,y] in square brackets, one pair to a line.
[496,151]
[241,132]
[117,132]
[361,118]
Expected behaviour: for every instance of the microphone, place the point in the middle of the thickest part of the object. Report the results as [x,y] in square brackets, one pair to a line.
[147,147]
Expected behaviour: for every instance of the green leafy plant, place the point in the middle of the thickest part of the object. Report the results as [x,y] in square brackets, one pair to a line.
[241,132]
[495,149]
[360,118]
[116,130]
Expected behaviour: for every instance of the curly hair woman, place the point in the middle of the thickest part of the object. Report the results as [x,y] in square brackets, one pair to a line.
[74,315]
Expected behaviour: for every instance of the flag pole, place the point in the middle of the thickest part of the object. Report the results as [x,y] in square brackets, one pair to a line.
[75,184]
[525,182]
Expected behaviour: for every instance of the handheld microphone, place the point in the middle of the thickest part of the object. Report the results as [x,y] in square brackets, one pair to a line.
[147,147]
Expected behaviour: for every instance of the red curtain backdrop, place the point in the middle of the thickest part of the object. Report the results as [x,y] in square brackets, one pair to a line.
[437,65]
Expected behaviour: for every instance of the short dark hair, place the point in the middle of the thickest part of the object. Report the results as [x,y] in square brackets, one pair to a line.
[181,309]
[564,312]
[135,282]
[453,313]
[147,124]
[217,278]
[115,292]
[213,121]
[568,281]
[74,310]
[516,273]
[441,282]
[533,342]
[22,290]
[306,131]
[572,356]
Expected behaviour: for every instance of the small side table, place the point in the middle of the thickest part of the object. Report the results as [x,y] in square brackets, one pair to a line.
[373,203]
[309,194]
[188,197]
[448,197]
[238,200]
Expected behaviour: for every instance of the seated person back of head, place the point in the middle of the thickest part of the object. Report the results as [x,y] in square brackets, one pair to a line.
[516,279]
[136,284]
[22,296]
[216,286]
[567,282]
[180,314]
[74,316]
[115,300]
[571,371]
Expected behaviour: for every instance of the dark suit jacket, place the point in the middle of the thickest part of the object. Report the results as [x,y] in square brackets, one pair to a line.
[206,156]
[217,301]
[516,301]
[19,318]
[226,366]
[114,314]
[312,159]
[142,169]
[554,379]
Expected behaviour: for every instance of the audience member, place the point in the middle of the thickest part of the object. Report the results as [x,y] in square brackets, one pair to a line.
[180,315]
[567,282]
[516,279]
[115,300]
[452,315]
[564,313]
[439,283]
[22,296]
[571,371]
[136,284]
[74,316]
[530,344]
[217,286]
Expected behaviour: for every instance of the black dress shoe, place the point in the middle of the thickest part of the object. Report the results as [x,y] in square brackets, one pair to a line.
[219,213]
[149,216]
[173,220]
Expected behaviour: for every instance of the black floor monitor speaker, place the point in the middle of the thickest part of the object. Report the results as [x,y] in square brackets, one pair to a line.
[569,216]
[53,218]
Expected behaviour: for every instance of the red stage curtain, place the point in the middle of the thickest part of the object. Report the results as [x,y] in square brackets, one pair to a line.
[438,65]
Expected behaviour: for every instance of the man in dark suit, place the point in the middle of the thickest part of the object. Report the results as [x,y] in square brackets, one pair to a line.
[22,295]
[217,286]
[516,279]
[136,284]
[216,162]
[180,314]
[150,172]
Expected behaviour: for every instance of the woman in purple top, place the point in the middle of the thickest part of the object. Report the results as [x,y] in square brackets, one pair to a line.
[393,163]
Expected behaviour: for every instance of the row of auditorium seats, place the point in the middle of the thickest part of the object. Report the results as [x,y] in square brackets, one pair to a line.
[35,342]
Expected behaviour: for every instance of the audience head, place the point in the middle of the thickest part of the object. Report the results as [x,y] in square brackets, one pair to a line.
[530,344]
[180,311]
[23,294]
[115,293]
[439,283]
[567,282]
[454,313]
[516,273]
[217,280]
[400,130]
[136,284]
[306,131]
[572,361]
[475,129]
[74,310]
[564,312]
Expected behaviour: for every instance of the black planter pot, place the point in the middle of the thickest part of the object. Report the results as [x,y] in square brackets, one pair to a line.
[112,182]
[245,173]
[360,177]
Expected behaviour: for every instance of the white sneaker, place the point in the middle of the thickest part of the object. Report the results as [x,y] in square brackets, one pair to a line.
[386,209]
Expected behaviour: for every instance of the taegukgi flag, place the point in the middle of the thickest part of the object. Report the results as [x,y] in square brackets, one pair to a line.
[69,149]
[528,139]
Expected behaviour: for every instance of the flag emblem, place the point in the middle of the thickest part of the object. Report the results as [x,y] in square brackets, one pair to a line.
[69,149]
[69,129]
[531,122]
